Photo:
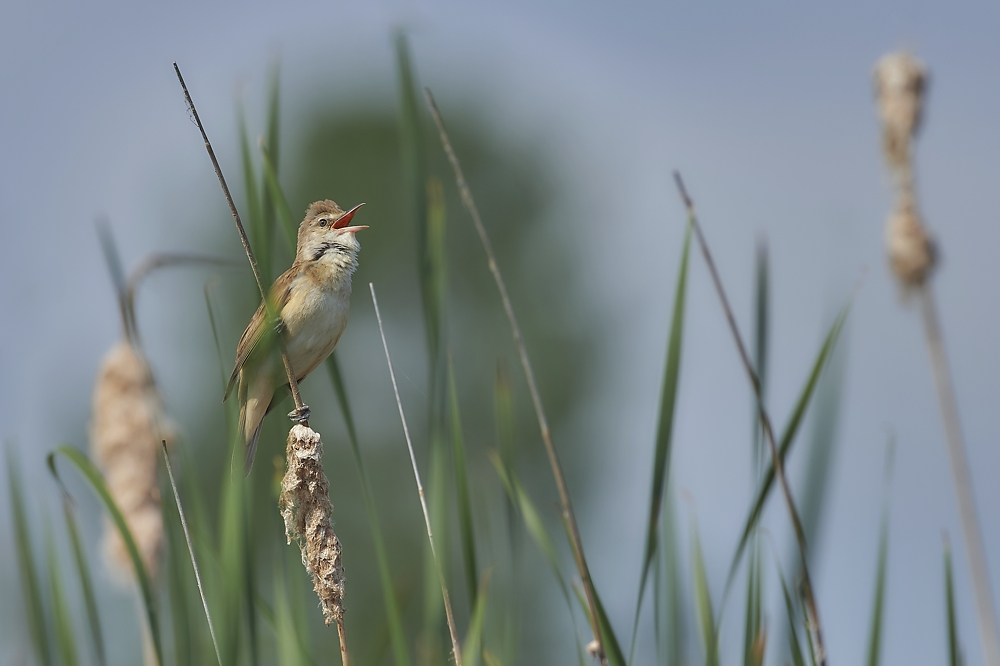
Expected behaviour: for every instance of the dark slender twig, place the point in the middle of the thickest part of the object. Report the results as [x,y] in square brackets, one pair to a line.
[455,646]
[986,614]
[779,467]
[194,563]
[567,508]
[301,409]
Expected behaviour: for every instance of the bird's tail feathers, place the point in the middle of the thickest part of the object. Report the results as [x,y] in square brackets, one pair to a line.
[252,450]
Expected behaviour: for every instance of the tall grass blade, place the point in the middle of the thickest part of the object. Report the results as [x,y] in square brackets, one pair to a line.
[703,600]
[249,581]
[794,646]
[96,480]
[671,640]
[473,646]
[255,216]
[753,628]
[788,437]
[86,582]
[503,412]
[291,650]
[272,147]
[63,629]
[279,203]
[466,528]
[762,300]
[878,604]
[612,650]
[30,587]
[951,617]
[232,576]
[536,529]
[664,433]
[415,184]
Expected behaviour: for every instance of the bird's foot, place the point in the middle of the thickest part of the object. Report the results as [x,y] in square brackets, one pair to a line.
[300,415]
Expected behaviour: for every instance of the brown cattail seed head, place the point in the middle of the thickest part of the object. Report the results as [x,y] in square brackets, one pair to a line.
[911,250]
[127,426]
[305,505]
[900,83]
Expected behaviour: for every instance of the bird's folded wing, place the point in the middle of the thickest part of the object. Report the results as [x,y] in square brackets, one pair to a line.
[258,335]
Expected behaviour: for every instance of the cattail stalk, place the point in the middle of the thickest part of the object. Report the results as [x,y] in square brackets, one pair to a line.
[900,85]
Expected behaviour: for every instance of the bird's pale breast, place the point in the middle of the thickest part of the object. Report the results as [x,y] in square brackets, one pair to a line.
[315,318]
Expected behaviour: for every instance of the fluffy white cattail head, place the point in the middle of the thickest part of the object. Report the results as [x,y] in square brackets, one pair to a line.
[305,506]
[900,84]
[127,426]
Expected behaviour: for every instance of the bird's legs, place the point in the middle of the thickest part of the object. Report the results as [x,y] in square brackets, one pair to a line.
[300,415]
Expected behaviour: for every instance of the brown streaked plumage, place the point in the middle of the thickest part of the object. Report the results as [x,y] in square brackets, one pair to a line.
[311,300]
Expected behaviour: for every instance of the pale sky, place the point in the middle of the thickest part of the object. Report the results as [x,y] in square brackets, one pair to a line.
[767,110]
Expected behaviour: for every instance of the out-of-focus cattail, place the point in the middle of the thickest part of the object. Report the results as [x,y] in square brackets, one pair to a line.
[305,505]
[128,423]
[911,251]
[900,83]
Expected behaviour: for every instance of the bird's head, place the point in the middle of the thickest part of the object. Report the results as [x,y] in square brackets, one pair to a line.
[325,233]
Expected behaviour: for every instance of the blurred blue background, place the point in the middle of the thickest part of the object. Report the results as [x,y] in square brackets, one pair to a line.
[766,109]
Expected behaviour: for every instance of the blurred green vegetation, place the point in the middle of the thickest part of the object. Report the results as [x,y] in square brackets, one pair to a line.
[491,496]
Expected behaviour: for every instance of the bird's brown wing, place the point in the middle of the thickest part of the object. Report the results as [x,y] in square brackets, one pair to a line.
[258,335]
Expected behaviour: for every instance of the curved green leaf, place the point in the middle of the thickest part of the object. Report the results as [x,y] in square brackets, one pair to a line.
[34,606]
[96,480]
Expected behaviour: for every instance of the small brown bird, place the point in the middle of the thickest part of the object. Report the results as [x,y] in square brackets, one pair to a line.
[311,300]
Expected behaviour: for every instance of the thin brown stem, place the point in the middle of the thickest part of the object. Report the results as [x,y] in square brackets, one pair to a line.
[300,408]
[986,613]
[779,469]
[345,660]
[567,508]
[456,648]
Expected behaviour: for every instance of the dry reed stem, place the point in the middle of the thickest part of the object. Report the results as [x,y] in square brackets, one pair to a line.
[808,593]
[900,85]
[569,518]
[455,646]
[985,611]
[300,407]
[127,426]
[308,514]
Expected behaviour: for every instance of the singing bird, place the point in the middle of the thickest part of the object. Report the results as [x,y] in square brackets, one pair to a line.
[310,300]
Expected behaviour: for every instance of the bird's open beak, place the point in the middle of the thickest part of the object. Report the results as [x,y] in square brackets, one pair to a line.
[345,219]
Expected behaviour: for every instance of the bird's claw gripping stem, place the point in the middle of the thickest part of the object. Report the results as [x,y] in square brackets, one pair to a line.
[300,415]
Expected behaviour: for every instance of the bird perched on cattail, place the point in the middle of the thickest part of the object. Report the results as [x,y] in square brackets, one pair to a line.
[310,302]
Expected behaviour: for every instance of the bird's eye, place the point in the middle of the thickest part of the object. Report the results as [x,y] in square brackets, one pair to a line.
[323,222]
